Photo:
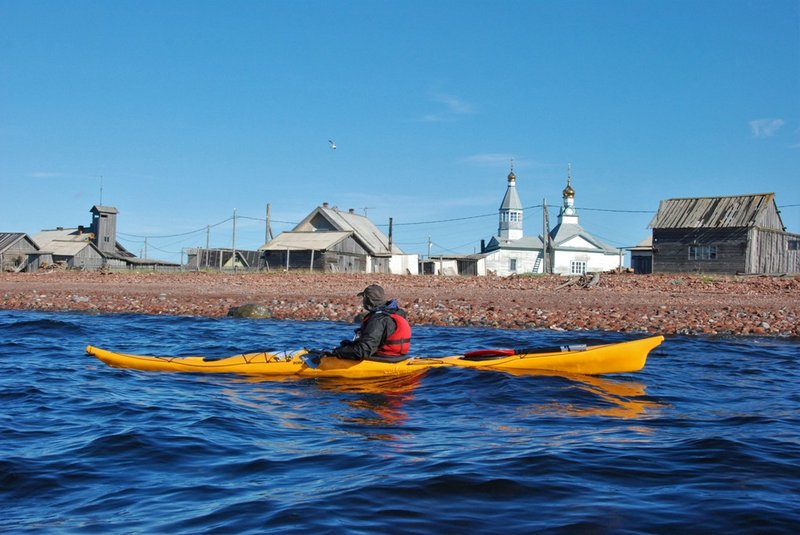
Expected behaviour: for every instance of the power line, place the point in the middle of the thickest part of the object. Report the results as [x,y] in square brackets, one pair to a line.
[176,235]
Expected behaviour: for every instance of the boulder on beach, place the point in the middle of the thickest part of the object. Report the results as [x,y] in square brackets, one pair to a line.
[251,310]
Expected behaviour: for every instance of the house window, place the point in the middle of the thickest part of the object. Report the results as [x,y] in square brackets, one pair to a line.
[702,252]
[512,265]
[577,267]
[794,245]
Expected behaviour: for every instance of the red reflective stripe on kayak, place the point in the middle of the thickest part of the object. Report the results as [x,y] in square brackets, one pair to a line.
[490,353]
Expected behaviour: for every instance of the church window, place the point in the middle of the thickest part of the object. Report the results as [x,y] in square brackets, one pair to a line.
[577,267]
[512,265]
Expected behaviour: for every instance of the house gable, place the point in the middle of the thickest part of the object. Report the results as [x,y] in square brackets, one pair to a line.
[325,219]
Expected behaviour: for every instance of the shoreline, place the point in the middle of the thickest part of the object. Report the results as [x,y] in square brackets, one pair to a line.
[621,302]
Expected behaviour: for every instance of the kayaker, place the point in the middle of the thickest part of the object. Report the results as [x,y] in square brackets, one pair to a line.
[384,334]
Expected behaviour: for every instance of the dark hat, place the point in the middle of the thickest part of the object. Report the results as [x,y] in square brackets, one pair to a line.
[373,295]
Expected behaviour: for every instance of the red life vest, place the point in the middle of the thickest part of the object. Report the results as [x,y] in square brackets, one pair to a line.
[399,342]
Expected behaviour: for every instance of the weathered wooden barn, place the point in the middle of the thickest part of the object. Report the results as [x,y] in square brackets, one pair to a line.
[733,234]
[18,252]
[70,248]
[332,240]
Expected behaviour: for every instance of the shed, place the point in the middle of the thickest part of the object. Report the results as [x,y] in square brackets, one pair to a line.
[642,256]
[18,252]
[729,234]
[223,258]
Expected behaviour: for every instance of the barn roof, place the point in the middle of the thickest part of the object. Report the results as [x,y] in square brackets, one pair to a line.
[45,237]
[733,211]
[7,239]
[306,241]
[331,221]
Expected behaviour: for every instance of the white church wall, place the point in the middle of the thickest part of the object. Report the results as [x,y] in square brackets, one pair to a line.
[578,242]
[500,262]
[564,262]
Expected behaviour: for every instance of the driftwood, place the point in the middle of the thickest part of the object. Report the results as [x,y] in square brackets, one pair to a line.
[587,280]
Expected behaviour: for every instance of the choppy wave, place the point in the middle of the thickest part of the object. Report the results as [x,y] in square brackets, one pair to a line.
[705,437]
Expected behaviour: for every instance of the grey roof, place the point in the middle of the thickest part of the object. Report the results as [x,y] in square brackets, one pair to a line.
[526,243]
[644,245]
[306,241]
[69,248]
[104,209]
[45,237]
[567,231]
[511,198]
[7,239]
[733,211]
[324,218]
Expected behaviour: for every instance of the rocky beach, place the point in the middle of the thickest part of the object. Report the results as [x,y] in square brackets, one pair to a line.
[623,302]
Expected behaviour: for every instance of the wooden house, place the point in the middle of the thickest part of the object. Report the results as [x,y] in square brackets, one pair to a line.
[71,248]
[18,252]
[731,234]
[332,240]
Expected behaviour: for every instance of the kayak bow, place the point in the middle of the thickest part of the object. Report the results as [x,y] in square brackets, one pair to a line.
[593,360]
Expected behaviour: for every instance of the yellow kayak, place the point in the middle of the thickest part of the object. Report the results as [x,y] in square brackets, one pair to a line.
[620,357]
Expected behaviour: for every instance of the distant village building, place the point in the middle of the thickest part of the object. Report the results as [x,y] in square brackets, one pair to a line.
[329,239]
[223,259]
[642,256]
[730,234]
[93,248]
[570,250]
[72,248]
[18,252]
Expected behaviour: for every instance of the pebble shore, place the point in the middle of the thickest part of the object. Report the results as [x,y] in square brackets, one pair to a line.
[621,302]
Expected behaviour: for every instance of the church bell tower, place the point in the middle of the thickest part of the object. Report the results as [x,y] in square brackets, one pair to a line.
[510,227]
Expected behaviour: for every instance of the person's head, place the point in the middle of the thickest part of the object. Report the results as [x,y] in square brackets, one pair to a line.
[372,297]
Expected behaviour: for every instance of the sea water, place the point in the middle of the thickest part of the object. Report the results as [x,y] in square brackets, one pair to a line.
[706,437]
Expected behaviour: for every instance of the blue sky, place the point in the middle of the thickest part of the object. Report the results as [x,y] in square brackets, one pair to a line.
[189,110]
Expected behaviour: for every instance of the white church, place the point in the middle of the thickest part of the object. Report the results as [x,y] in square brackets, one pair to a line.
[570,250]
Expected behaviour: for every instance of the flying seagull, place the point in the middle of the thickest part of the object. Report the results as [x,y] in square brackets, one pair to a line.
[333,144]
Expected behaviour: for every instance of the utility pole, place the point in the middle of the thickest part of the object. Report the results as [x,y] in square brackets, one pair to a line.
[208,235]
[268,230]
[233,241]
[545,238]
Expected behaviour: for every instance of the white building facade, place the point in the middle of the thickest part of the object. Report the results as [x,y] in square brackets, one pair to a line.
[570,250]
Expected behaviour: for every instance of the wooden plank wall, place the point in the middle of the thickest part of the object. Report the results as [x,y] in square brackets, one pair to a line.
[770,252]
[671,250]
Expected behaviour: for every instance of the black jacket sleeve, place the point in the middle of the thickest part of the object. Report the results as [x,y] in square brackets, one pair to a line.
[370,338]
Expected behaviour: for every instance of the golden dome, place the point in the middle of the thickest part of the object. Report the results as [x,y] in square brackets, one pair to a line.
[511,176]
[568,191]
